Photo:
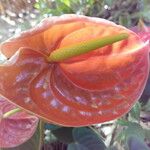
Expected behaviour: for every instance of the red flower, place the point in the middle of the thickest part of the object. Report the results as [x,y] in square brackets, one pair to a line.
[92,88]
[143,31]
[16,129]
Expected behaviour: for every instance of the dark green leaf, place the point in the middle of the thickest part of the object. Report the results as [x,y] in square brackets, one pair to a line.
[64,134]
[109,2]
[88,138]
[51,126]
[147,134]
[76,146]
[135,143]
[122,122]
[147,106]
[135,111]
[132,129]
[135,129]
[113,148]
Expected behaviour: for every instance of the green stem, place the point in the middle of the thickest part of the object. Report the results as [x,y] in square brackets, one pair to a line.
[41,130]
[84,47]
[11,112]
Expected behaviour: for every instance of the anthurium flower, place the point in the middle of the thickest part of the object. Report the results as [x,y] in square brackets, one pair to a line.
[95,87]
[17,128]
[142,30]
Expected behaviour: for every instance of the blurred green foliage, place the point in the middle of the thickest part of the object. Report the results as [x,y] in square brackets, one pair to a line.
[124,12]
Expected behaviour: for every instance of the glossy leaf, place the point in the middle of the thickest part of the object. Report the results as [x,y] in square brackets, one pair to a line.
[55,146]
[135,111]
[131,129]
[113,148]
[51,127]
[147,106]
[76,146]
[64,134]
[88,139]
[135,143]
[147,134]
[122,122]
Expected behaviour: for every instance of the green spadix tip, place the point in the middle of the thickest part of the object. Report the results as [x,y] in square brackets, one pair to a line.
[11,112]
[61,54]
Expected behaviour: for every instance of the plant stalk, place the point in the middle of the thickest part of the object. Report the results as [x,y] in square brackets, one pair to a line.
[62,54]
[11,112]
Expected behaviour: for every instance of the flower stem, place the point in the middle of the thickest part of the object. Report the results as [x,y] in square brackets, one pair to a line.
[11,112]
[84,47]
[41,133]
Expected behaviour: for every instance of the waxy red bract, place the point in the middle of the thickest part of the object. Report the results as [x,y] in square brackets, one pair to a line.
[99,86]
[17,128]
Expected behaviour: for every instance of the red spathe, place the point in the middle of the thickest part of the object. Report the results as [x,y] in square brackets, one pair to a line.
[17,129]
[99,86]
